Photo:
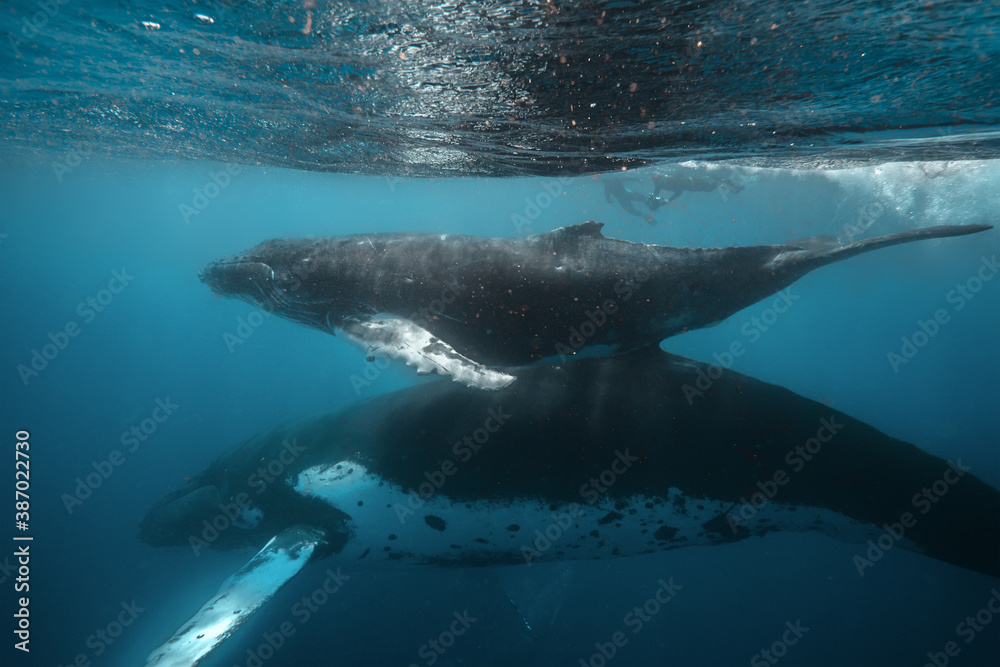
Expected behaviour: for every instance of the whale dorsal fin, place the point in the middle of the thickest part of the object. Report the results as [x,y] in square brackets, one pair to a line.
[590,228]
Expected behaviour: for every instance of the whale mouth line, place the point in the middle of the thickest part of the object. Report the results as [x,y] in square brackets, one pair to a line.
[231,266]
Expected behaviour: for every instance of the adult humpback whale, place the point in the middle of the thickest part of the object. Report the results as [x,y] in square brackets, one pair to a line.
[596,458]
[458,305]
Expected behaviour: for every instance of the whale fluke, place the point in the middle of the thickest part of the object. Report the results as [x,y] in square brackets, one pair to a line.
[828,250]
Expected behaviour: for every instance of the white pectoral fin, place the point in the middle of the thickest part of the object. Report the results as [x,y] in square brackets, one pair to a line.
[238,598]
[399,338]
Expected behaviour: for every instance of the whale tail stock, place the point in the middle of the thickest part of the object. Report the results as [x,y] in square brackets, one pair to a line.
[813,253]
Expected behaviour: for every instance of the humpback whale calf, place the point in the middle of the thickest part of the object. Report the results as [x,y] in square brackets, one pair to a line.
[595,458]
[464,306]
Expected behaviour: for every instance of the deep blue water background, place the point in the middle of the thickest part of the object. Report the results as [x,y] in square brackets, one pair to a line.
[162,337]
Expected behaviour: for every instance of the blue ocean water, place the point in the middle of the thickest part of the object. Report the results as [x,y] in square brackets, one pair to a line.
[162,339]
[140,141]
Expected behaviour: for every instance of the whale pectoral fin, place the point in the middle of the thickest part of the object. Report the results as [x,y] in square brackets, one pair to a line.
[238,598]
[399,338]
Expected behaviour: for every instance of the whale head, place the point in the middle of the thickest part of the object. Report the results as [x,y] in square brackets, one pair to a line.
[278,276]
[216,514]
[250,279]
[255,491]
